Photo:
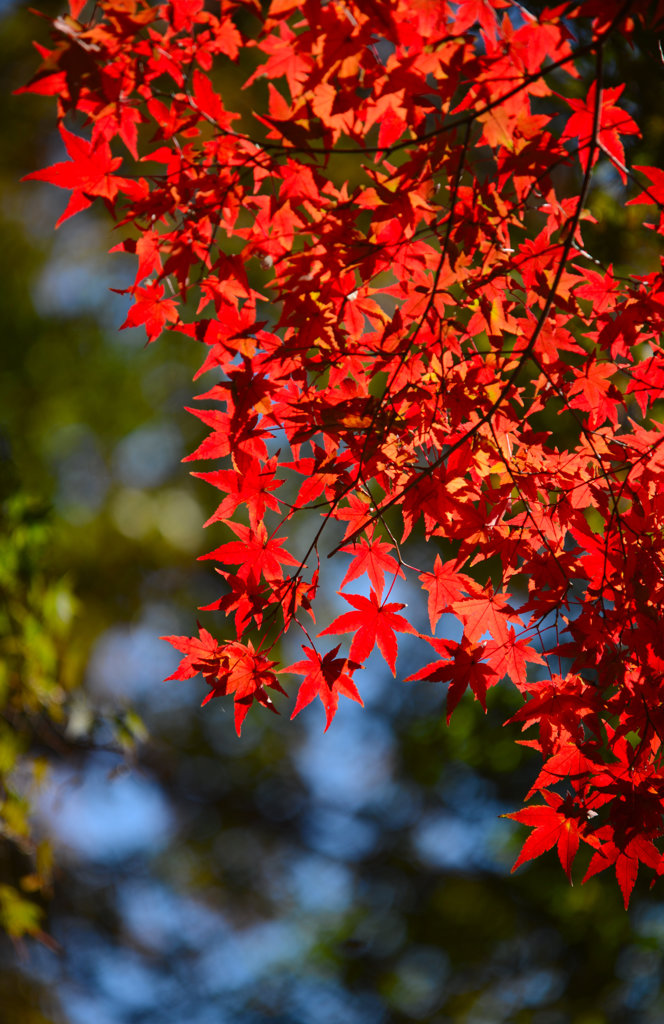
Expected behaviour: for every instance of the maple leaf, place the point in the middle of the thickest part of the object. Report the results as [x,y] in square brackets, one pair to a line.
[470,11]
[151,310]
[486,612]
[461,667]
[373,623]
[592,391]
[654,192]
[326,678]
[646,382]
[568,763]
[293,593]
[373,558]
[564,709]
[246,601]
[249,485]
[256,552]
[613,123]
[600,289]
[247,675]
[510,658]
[88,173]
[209,102]
[231,668]
[625,859]
[357,514]
[555,823]
[201,654]
[444,586]
[147,249]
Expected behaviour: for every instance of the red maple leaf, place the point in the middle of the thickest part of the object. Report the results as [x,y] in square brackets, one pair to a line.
[151,310]
[231,668]
[484,11]
[462,667]
[371,556]
[592,391]
[552,824]
[613,123]
[88,173]
[511,658]
[357,513]
[373,623]
[486,613]
[444,586]
[201,654]
[256,552]
[564,708]
[250,485]
[654,192]
[247,675]
[568,763]
[626,860]
[326,678]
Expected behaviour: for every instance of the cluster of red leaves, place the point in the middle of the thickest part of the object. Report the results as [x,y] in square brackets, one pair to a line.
[382,256]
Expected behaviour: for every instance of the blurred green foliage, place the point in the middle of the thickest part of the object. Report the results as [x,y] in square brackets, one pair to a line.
[36,618]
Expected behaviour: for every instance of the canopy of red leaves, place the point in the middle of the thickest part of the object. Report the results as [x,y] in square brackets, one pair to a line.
[382,257]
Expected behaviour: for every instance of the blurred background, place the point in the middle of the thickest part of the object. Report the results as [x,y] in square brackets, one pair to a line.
[154,868]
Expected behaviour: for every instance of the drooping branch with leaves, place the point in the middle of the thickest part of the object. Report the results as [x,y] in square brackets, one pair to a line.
[416,366]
